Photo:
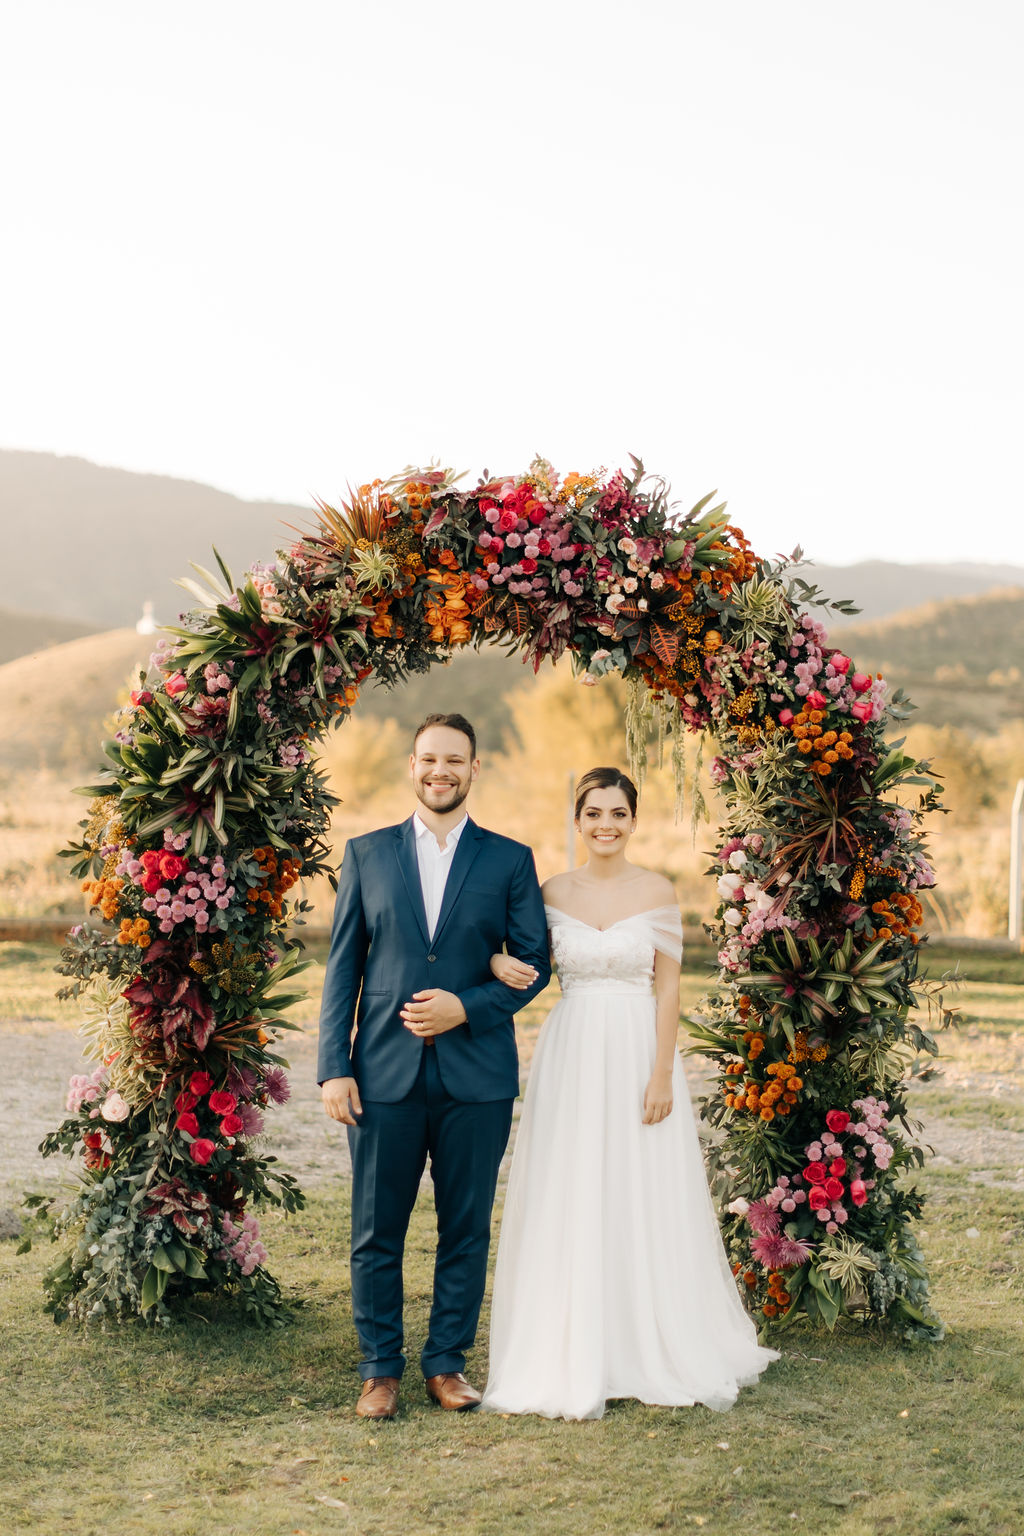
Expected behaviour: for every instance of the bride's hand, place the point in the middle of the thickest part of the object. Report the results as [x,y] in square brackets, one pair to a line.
[514,973]
[658,1098]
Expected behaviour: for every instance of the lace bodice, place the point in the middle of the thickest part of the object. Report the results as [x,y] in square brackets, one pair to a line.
[619,958]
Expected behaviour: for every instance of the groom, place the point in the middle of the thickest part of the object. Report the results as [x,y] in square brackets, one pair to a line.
[431,1071]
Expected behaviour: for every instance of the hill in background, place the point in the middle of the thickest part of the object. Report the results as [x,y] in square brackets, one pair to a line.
[961,662]
[22,633]
[95,543]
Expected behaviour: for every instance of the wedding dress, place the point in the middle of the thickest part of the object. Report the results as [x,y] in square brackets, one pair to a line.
[611,1279]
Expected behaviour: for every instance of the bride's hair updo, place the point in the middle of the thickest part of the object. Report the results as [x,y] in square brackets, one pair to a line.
[605,778]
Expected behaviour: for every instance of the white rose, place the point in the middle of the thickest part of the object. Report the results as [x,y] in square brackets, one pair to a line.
[728,886]
[733,917]
[738,1207]
[737,859]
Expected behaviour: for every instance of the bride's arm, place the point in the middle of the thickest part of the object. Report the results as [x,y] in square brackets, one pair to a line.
[658,1097]
[514,973]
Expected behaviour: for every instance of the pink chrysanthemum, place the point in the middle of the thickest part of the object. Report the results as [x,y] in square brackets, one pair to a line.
[764,1218]
[778,1252]
[275,1080]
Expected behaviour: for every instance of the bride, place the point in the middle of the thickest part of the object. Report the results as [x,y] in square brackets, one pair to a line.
[611,1279]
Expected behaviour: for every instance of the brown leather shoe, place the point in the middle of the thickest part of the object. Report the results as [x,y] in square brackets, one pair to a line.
[379,1398]
[452,1391]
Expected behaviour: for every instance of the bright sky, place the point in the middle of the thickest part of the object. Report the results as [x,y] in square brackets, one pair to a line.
[773,248]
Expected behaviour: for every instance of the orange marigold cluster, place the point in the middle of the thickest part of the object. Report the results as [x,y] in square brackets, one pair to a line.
[895,916]
[778,1302]
[135,930]
[820,748]
[104,894]
[279,875]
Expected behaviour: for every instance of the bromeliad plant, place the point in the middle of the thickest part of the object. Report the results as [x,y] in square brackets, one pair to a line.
[211,809]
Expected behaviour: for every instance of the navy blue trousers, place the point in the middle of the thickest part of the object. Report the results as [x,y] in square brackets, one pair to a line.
[390,1147]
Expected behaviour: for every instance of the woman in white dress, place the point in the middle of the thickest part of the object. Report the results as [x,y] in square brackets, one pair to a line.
[611,1279]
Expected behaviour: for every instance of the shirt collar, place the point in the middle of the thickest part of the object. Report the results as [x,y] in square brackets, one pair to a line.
[422,830]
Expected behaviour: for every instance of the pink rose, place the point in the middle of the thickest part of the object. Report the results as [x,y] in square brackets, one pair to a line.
[141,696]
[860,682]
[858,1191]
[862,710]
[114,1107]
[176,683]
[817,700]
[202,1150]
[837,1120]
[786,717]
[840,662]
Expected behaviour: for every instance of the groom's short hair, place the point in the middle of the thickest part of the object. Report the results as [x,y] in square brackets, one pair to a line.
[454,723]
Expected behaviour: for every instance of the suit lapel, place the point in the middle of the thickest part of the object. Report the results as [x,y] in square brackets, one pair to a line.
[405,850]
[462,860]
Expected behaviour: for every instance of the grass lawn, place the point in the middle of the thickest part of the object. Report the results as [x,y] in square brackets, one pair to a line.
[212,1428]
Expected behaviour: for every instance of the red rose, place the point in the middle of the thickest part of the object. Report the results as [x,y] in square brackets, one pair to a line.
[202,1150]
[150,860]
[486,503]
[188,1123]
[94,1139]
[837,1166]
[200,1083]
[172,865]
[858,1192]
[151,884]
[231,1125]
[507,522]
[535,512]
[527,565]
[185,1101]
[177,683]
[544,546]
[223,1103]
[141,696]
[837,1120]
[815,1173]
[817,1199]
[833,1188]
[496,544]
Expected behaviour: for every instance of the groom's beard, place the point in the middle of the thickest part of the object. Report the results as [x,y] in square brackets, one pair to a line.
[442,805]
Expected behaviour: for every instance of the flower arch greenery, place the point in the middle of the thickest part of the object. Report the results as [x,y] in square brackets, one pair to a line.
[212,807]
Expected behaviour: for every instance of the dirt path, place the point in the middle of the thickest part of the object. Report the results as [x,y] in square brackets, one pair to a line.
[37,1058]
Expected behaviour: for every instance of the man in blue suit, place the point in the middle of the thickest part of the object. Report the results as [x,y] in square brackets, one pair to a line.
[431,1070]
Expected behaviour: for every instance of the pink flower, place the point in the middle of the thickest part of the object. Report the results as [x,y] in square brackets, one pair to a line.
[764,1219]
[858,1192]
[862,710]
[817,700]
[177,683]
[275,1081]
[786,717]
[779,1252]
[860,682]
[114,1107]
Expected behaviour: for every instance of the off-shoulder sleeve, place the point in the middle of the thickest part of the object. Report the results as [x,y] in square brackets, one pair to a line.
[665,930]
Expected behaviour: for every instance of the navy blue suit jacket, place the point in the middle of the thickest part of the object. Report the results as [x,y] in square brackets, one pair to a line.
[381,953]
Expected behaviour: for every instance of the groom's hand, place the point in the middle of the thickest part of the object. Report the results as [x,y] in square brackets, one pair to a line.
[341,1099]
[433,1012]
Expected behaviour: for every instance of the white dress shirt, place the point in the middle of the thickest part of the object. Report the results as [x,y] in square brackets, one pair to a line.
[434,864]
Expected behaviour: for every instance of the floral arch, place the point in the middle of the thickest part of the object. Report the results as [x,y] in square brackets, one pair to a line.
[212,807]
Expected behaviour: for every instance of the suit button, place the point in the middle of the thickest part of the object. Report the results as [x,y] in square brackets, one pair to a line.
[431,958]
